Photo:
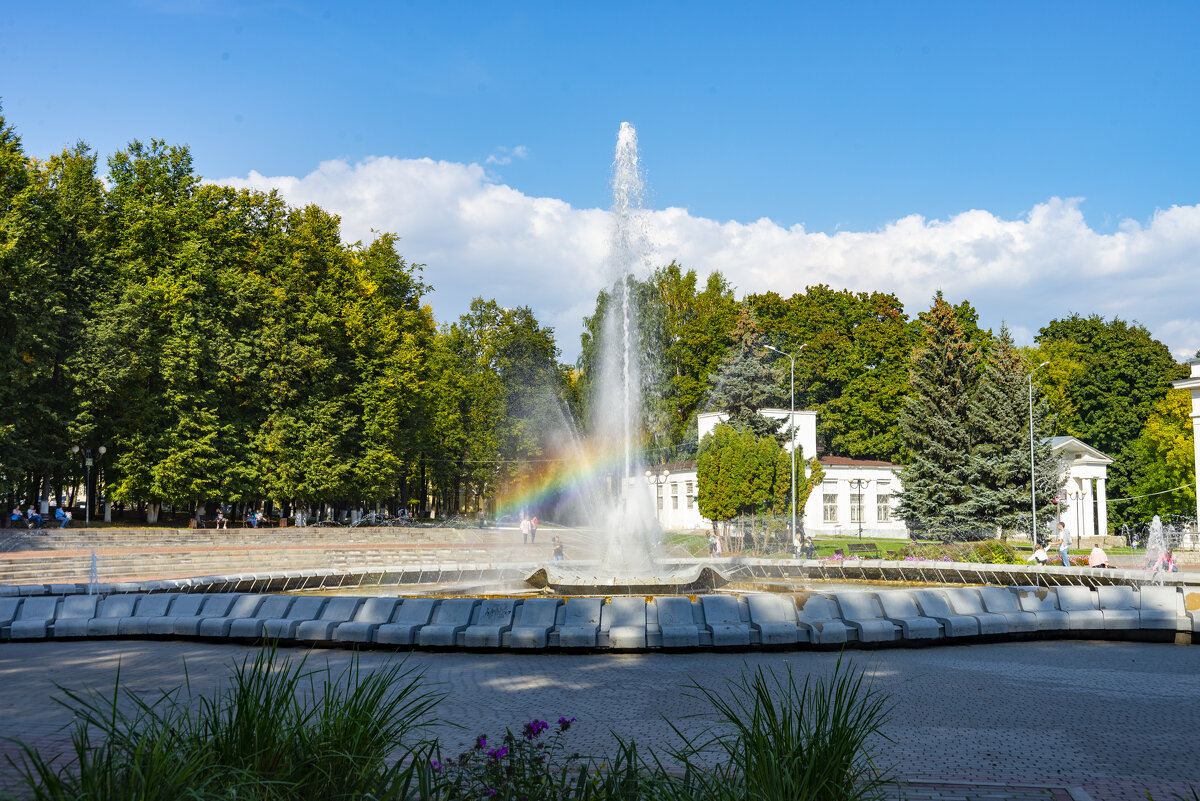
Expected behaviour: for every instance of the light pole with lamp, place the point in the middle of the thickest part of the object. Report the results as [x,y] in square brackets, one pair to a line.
[1032,481]
[657,480]
[860,484]
[792,424]
[87,487]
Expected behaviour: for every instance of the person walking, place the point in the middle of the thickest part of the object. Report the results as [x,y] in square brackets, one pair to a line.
[533,529]
[558,549]
[524,530]
[1063,543]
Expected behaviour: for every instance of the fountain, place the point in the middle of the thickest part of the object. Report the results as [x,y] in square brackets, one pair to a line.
[630,530]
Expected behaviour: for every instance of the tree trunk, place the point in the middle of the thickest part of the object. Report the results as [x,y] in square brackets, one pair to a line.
[152,510]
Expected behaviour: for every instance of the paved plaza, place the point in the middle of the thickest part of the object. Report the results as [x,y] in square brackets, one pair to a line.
[1048,720]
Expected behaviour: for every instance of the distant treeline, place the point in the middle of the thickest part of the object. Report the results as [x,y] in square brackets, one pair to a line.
[225,347]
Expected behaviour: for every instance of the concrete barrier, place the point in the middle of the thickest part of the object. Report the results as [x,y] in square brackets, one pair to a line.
[746,621]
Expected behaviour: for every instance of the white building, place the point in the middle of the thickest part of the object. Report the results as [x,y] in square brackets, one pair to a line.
[860,494]
[856,494]
[1083,500]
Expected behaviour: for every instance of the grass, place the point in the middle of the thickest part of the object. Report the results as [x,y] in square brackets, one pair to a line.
[278,731]
[282,731]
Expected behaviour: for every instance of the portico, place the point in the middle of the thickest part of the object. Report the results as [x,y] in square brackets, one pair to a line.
[1192,385]
[1083,499]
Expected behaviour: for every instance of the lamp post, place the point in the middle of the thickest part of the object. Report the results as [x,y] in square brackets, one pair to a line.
[792,423]
[860,484]
[657,480]
[1032,481]
[87,487]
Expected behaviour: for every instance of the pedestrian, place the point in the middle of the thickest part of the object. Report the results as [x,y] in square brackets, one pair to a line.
[533,529]
[1063,543]
[712,544]
[797,545]
[717,547]
[524,529]
[558,549]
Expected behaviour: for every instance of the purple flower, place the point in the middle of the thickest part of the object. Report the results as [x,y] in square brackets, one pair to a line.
[497,753]
[433,763]
[481,743]
[535,727]
[489,791]
[565,723]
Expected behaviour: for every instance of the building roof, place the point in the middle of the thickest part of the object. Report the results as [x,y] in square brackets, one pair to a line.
[846,461]
[1077,445]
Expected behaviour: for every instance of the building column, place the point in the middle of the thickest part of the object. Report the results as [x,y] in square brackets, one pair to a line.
[1102,507]
[1089,508]
[1192,384]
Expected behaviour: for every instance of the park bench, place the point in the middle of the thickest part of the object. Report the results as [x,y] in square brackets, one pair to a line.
[867,548]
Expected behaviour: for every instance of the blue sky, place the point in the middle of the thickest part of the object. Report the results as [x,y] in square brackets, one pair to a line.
[1026,156]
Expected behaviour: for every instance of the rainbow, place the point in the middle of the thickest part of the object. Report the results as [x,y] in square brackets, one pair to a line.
[573,476]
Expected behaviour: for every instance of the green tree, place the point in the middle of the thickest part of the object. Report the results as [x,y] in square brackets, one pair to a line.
[854,370]
[998,421]
[938,491]
[49,213]
[1166,461]
[744,381]
[1119,373]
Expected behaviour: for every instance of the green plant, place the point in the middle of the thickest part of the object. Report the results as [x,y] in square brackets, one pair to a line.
[776,740]
[278,731]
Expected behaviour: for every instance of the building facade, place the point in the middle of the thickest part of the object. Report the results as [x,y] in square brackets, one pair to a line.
[859,495]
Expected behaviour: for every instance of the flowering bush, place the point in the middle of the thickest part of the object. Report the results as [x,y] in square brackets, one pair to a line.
[531,765]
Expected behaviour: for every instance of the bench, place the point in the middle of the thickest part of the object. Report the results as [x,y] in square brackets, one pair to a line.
[864,548]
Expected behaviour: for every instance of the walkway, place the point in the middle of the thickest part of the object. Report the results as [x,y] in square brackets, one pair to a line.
[1022,721]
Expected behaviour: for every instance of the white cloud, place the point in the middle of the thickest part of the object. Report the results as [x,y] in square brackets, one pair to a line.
[482,238]
[505,155]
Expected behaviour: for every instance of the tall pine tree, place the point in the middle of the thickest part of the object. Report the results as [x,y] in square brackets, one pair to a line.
[998,422]
[944,373]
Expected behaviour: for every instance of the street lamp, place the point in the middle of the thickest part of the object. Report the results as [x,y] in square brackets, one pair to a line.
[87,487]
[657,480]
[792,423]
[860,484]
[1032,482]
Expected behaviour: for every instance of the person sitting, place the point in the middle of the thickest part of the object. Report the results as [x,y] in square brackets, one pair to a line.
[15,516]
[222,522]
[34,519]
[63,516]
[1166,563]
[1040,556]
[1098,558]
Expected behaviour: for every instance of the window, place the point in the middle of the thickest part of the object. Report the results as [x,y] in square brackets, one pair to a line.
[883,509]
[674,495]
[856,507]
[691,498]
[830,506]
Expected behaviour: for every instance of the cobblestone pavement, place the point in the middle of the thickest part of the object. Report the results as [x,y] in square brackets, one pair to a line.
[1055,720]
